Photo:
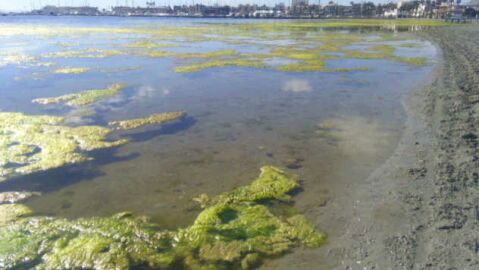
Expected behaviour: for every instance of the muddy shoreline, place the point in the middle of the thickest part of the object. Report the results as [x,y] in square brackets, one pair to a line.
[419,210]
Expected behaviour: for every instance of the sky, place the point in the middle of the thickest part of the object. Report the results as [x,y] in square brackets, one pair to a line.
[16,5]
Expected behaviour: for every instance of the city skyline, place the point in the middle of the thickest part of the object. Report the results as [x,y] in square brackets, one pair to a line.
[22,5]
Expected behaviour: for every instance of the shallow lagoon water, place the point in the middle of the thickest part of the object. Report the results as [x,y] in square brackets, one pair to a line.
[331,129]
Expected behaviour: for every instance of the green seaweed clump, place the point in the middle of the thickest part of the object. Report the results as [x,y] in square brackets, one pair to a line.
[83,98]
[86,53]
[159,118]
[71,70]
[219,63]
[415,61]
[22,60]
[206,55]
[36,143]
[306,66]
[235,231]
[11,212]
[385,51]
[149,44]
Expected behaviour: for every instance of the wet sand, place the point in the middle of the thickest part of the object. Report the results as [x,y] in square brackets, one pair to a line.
[418,210]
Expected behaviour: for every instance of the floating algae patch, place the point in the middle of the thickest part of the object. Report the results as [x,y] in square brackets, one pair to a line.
[190,55]
[120,69]
[346,24]
[415,61]
[233,231]
[366,55]
[148,44]
[71,70]
[206,55]
[306,66]
[86,53]
[206,31]
[16,59]
[410,45]
[195,67]
[160,118]
[315,66]
[83,98]
[36,143]
[22,60]
[299,40]
[385,51]
[295,54]
[155,54]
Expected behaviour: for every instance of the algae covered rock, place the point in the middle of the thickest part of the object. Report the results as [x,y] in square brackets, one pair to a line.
[272,184]
[83,98]
[36,143]
[234,231]
[118,242]
[11,212]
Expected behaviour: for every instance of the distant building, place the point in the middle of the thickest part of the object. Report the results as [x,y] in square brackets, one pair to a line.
[391,13]
[212,11]
[148,11]
[419,11]
[151,4]
[299,7]
[299,3]
[65,11]
[266,13]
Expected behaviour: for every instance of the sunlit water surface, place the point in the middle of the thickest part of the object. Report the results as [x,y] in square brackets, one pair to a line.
[239,119]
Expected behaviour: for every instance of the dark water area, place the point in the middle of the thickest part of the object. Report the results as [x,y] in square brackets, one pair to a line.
[330,129]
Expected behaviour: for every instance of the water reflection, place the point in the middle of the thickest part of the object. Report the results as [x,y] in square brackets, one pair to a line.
[329,128]
[297,86]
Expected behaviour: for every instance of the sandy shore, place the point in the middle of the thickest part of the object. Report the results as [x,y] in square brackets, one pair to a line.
[420,209]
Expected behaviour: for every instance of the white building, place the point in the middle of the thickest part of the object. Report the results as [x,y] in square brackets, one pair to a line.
[264,13]
[419,11]
[391,13]
[297,3]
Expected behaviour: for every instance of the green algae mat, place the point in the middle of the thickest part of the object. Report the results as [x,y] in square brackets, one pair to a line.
[234,230]
[34,143]
[315,43]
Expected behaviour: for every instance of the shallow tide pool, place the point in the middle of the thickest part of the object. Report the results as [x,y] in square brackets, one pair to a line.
[331,127]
